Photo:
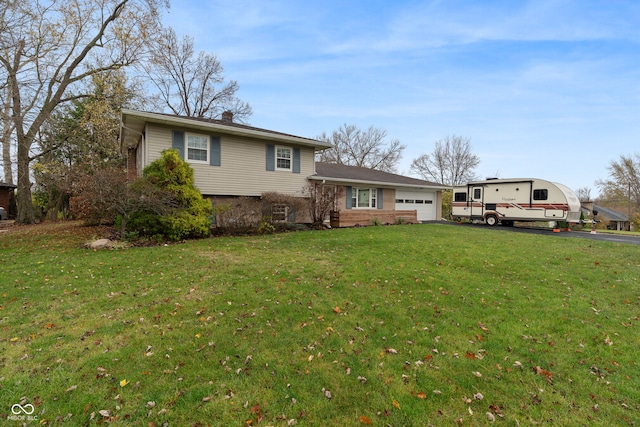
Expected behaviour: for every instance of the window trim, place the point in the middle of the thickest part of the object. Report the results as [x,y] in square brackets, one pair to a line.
[290,158]
[373,198]
[279,213]
[207,148]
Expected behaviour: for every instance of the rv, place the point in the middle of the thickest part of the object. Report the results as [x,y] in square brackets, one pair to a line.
[507,200]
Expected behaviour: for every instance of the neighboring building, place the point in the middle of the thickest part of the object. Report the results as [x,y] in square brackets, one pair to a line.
[232,160]
[612,219]
[7,200]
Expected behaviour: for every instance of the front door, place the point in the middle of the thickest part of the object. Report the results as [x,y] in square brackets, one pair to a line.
[477,205]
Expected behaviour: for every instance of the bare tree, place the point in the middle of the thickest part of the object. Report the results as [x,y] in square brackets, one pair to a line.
[365,148]
[584,194]
[7,130]
[623,185]
[189,84]
[322,200]
[450,163]
[48,48]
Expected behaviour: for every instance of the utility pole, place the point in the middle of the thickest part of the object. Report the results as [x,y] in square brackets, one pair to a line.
[629,217]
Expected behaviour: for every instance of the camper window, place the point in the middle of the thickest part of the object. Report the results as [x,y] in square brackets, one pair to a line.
[460,197]
[477,193]
[540,194]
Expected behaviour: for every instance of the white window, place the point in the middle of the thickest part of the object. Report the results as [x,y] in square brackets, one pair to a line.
[279,213]
[363,197]
[197,148]
[283,158]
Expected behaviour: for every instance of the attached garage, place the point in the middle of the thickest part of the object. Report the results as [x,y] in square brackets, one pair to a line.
[424,202]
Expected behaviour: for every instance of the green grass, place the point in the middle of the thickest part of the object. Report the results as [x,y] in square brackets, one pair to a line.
[402,325]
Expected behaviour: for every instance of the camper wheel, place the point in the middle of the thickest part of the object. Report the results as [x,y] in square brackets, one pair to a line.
[491,220]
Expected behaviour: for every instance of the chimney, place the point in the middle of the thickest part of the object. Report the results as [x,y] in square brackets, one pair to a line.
[227,116]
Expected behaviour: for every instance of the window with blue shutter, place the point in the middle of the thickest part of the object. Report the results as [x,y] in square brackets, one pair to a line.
[296,160]
[177,142]
[271,157]
[380,192]
[349,201]
[215,157]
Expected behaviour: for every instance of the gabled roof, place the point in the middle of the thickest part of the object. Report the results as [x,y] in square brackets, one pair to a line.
[610,213]
[133,123]
[357,175]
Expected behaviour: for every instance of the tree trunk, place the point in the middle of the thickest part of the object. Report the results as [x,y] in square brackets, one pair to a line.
[25,205]
[6,143]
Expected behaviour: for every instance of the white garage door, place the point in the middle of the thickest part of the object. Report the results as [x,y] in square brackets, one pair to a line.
[424,202]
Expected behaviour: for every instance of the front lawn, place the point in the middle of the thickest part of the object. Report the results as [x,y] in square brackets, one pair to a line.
[397,325]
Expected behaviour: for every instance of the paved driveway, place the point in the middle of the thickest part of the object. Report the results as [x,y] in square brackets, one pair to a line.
[616,238]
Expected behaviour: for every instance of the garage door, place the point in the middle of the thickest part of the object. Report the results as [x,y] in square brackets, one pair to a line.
[423,202]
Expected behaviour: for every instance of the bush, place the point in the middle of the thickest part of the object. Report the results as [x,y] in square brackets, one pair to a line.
[98,197]
[191,213]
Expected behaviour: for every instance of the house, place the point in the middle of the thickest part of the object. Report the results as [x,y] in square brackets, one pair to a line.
[612,219]
[370,194]
[231,160]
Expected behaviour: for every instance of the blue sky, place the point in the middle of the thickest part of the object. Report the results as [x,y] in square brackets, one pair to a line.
[545,88]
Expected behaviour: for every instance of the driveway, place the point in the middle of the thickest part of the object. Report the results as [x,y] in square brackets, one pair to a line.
[606,237]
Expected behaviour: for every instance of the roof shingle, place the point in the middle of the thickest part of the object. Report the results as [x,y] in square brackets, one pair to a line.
[339,172]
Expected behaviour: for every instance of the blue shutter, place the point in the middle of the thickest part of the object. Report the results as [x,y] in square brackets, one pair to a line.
[178,142]
[271,157]
[296,160]
[215,158]
[379,198]
[348,191]
[291,215]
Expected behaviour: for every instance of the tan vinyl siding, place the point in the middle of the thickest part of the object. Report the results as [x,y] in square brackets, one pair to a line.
[243,166]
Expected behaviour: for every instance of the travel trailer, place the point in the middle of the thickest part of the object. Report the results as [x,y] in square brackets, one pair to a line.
[507,200]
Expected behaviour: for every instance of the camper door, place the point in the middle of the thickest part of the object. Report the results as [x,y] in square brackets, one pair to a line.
[477,201]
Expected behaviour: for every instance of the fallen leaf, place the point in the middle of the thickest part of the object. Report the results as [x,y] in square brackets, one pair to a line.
[50,325]
[124,382]
[420,394]
[396,404]
[470,355]
[104,413]
[337,310]
[484,328]
[73,387]
[365,420]
[544,372]
[491,417]
[477,374]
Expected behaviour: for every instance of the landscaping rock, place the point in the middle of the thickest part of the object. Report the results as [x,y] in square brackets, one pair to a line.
[100,244]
